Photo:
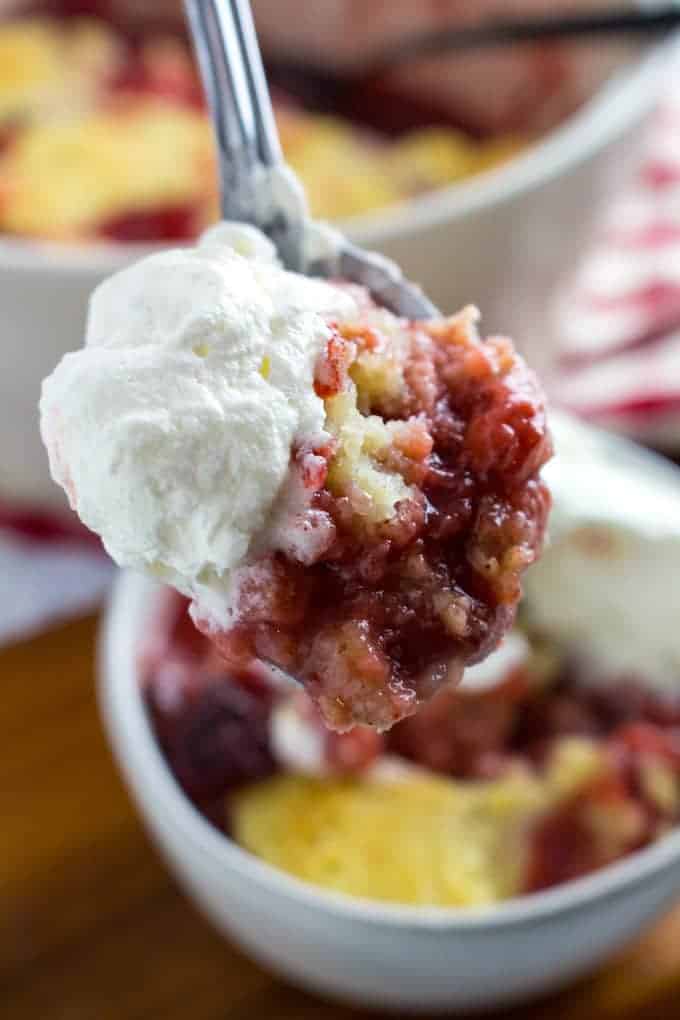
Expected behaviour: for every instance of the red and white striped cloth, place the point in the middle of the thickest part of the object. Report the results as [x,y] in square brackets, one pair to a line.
[619,321]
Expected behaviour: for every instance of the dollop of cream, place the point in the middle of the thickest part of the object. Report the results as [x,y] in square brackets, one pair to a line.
[171,430]
[606,585]
[512,653]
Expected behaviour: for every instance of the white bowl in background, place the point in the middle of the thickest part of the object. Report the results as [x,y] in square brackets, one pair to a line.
[501,241]
[363,952]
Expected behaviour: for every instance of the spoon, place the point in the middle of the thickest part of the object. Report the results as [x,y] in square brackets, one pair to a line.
[257,187]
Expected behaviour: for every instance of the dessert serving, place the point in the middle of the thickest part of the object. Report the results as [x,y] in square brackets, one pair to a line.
[347,497]
[343,501]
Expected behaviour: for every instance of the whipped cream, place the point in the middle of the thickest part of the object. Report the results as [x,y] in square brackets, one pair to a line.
[172,429]
[297,742]
[512,653]
[606,585]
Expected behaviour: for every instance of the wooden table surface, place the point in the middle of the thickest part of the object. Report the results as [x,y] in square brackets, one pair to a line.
[93,928]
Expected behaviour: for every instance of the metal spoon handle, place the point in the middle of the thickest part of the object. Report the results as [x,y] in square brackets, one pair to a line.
[256,185]
[253,187]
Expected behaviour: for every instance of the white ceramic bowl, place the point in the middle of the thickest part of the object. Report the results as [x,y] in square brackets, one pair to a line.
[501,241]
[364,952]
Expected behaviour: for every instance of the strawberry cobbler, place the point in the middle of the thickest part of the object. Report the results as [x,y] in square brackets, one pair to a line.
[347,497]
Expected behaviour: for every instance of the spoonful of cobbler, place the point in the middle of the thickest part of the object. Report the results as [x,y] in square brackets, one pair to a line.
[345,483]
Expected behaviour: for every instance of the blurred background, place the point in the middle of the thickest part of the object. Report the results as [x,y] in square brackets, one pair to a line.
[539,181]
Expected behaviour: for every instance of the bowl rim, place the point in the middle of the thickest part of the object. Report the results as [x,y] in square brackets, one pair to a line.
[621,101]
[132,737]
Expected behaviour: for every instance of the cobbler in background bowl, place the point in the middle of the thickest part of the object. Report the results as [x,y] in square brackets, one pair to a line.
[481,796]
[104,136]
